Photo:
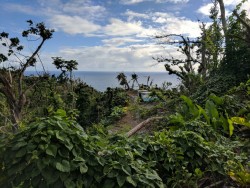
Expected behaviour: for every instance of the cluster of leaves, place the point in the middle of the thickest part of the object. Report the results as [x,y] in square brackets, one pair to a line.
[117,113]
[214,114]
[219,115]
[56,152]
[111,105]
[87,104]
[82,101]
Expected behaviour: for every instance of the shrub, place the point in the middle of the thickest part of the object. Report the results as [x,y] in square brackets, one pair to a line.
[56,152]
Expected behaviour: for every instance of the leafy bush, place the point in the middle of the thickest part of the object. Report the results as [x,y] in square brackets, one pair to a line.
[117,113]
[190,155]
[56,152]
[87,105]
[45,153]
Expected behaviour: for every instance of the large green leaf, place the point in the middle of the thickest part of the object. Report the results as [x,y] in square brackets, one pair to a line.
[61,113]
[126,169]
[203,112]
[60,136]
[192,109]
[176,119]
[152,175]
[231,127]
[64,166]
[121,180]
[51,150]
[216,99]
[83,168]
[131,181]
[240,121]
[212,111]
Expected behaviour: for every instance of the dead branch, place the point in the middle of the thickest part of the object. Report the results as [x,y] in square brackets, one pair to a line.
[141,125]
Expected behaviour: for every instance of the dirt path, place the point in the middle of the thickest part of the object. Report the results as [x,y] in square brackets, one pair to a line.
[128,121]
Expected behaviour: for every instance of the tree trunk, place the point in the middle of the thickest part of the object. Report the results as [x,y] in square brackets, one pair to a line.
[16,117]
[16,103]
[142,125]
[223,18]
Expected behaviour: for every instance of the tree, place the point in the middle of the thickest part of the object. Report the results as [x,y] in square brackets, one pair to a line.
[212,40]
[183,68]
[122,78]
[134,78]
[201,56]
[65,66]
[12,72]
[223,18]
[237,62]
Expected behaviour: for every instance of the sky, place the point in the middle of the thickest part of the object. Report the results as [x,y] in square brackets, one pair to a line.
[107,35]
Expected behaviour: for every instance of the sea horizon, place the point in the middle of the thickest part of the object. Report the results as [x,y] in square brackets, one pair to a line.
[101,80]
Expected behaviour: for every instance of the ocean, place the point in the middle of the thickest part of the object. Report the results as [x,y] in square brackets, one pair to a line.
[101,80]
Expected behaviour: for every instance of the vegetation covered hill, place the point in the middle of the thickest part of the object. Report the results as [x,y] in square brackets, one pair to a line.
[60,132]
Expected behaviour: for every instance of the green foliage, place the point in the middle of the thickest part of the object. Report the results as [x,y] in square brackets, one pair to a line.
[65,66]
[88,105]
[56,152]
[117,113]
[240,174]
[214,114]
[13,66]
[43,152]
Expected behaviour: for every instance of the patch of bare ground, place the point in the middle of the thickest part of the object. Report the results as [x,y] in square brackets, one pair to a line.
[130,120]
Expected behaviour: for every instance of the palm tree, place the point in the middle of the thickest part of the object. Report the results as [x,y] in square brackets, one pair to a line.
[122,78]
[135,79]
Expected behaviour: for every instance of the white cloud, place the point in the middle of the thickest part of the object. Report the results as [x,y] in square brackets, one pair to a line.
[83,8]
[172,1]
[205,9]
[106,58]
[20,8]
[165,23]
[229,5]
[246,6]
[170,24]
[131,15]
[76,7]
[130,2]
[120,41]
[118,27]
[74,24]
[231,2]
[182,26]
[127,50]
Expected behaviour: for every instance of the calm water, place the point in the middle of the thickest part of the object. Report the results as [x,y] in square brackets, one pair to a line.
[101,80]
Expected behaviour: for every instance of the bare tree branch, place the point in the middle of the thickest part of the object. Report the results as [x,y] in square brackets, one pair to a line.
[142,125]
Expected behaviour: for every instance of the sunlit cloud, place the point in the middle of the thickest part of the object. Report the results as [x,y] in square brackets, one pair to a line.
[73,24]
[120,41]
[130,2]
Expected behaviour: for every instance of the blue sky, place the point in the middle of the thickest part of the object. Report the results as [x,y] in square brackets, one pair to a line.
[107,35]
